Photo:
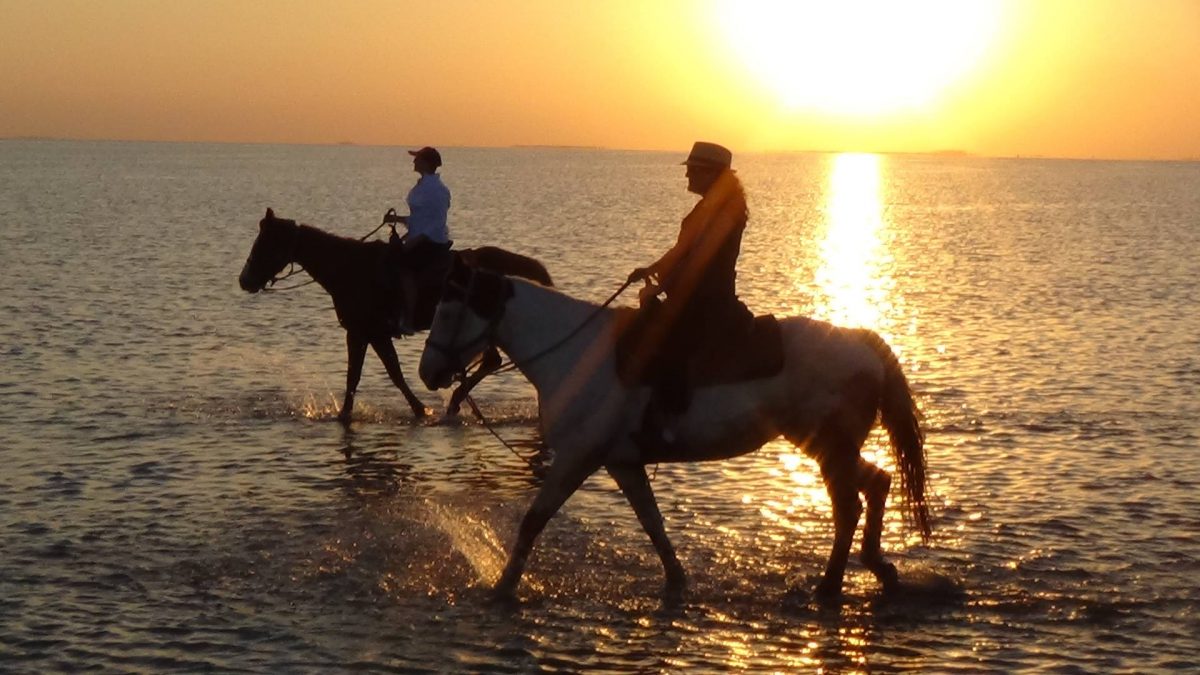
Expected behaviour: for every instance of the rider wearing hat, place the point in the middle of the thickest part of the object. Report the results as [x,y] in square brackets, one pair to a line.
[428,202]
[428,236]
[698,274]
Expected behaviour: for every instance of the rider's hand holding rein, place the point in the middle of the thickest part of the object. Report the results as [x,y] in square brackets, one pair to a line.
[637,275]
[650,291]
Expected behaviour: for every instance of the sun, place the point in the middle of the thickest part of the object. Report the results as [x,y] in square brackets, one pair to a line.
[859,57]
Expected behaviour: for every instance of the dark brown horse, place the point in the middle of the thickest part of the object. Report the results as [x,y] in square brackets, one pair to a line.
[354,274]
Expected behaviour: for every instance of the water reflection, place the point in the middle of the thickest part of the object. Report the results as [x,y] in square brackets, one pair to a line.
[852,280]
[853,283]
[372,472]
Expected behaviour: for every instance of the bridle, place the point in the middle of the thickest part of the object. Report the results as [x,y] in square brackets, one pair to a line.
[293,269]
[453,349]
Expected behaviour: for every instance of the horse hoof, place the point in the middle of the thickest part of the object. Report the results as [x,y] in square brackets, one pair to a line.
[827,592]
[888,577]
[503,595]
[884,571]
[674,588]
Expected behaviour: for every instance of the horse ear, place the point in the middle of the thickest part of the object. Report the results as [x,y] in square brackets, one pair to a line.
[270,213]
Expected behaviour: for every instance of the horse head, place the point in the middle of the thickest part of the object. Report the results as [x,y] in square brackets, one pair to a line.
[273,249]
[464,325]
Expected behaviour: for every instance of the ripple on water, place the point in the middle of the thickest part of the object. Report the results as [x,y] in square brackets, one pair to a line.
[177,493]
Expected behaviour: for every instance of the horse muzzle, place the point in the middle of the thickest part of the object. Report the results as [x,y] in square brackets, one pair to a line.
[435,379]
[442,364]
[435,371]
[247,284]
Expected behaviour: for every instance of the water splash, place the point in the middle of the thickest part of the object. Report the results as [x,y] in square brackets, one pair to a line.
[312,408]
[471,537]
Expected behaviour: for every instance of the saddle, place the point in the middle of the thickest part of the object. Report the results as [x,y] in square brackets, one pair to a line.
[731,354]
[430,275]
[426,266]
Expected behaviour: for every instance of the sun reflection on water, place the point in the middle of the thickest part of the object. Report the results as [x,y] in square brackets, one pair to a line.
[853,288]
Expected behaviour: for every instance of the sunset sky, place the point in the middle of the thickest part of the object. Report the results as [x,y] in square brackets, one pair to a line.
[1064,78]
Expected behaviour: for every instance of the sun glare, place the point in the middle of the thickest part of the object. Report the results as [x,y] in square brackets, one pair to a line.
[859,57]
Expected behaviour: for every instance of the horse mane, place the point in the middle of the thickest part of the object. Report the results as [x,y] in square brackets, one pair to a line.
[489,258]
[336,240]
[565,297]
[495,259]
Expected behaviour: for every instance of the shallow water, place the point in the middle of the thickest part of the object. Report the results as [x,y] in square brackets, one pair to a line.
[177,494]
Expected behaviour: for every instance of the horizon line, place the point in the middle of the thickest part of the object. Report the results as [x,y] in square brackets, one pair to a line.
[552,146]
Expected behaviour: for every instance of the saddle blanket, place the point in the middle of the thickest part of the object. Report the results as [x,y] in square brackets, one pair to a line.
[720,357]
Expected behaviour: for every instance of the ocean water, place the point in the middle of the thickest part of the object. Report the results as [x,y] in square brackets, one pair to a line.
[176,494]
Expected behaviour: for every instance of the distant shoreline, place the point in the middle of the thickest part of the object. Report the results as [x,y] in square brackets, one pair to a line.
[946,154]
[535,146]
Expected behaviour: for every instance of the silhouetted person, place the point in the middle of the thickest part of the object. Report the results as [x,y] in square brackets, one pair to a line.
[697,276]
[427,238]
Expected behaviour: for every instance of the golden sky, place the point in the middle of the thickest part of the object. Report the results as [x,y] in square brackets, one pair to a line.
[1064,78]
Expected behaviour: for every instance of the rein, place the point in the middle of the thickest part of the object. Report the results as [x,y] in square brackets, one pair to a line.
[452,351]
[488,425]
[513,364]
[453,348]
[294,269]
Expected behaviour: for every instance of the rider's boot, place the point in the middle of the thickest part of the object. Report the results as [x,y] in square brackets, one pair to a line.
[405,307]
[668,402]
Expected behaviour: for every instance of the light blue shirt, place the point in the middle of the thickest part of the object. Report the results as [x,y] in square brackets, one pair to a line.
[428,204]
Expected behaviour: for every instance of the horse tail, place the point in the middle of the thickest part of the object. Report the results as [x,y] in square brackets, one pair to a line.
[496,259]
[902,420]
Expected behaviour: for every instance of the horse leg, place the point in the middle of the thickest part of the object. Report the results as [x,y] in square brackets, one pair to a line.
[356,349]
[874,484]
[631,478]
[836,449]
[387,354]
[562,482]
[842,485]
[491,361]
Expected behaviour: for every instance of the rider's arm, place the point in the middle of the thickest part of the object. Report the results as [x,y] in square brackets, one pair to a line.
[668,265]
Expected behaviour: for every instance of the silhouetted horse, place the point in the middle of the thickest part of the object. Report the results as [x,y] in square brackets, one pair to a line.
[833,385]
[353,273]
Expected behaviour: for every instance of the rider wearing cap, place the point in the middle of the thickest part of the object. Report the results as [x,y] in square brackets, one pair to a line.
[428,202]
[428,235]
[698,274]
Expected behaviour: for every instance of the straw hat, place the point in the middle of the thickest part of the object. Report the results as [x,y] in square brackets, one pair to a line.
[710,155]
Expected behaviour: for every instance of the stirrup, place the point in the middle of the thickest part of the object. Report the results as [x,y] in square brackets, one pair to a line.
[657,430]
[399,328]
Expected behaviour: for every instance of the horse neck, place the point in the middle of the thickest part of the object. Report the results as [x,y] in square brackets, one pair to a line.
[320,253]
[536,321]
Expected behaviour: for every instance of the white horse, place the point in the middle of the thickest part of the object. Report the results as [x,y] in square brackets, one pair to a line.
[834,384]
